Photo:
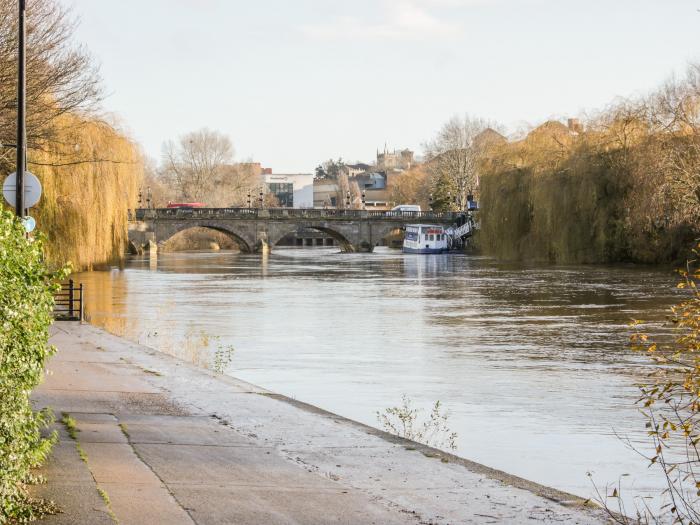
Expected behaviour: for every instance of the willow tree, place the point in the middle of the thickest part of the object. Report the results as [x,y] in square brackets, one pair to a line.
[88,168]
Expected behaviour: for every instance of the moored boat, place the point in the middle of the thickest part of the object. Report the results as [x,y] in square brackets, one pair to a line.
[425,238]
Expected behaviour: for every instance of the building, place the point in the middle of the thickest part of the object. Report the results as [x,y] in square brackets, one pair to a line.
[402,160]
[353,170]
[292,190]
[325,193]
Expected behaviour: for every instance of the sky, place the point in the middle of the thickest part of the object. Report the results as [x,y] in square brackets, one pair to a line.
[295,82]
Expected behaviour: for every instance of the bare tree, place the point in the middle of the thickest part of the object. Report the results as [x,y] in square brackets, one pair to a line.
[197,162]
[235,183]
[63,79]
[453,156]
[675,112]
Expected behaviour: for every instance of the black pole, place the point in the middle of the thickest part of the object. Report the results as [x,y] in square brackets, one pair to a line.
[21,108]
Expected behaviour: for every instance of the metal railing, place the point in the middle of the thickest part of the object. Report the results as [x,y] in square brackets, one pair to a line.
[68,302]
[290,213]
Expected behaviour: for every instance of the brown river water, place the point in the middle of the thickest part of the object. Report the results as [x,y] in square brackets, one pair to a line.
[531,361]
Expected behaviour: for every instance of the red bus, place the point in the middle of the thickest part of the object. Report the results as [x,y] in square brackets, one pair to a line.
[185,205]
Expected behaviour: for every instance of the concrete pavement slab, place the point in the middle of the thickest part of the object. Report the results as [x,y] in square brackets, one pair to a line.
[96,377]
[98,428]
[222,451]
[137,504]
[117,463]
[273,506]
[205,464]
[181,430]
[71,486]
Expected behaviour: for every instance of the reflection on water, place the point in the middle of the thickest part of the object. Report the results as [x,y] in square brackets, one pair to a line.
[531,361]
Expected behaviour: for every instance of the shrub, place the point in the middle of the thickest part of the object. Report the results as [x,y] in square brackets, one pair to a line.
[670,402]
[404,421]
[26,300]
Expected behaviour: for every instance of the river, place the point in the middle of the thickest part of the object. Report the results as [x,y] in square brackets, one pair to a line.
[530,361]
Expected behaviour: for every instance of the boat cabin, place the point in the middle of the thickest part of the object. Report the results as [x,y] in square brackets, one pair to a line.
[425,238]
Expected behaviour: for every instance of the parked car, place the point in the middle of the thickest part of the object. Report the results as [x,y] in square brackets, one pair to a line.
[404,209]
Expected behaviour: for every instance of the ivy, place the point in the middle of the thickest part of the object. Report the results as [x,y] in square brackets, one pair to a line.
[26,300]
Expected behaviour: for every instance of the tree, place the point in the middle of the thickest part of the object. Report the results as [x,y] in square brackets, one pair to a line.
[331,169]
[63,79]
[413,187]
[199,166]
[453,159]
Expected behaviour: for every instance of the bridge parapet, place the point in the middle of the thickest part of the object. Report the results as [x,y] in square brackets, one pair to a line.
[292,213]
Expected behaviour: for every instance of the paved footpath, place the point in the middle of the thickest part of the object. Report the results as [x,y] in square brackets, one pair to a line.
[159,441]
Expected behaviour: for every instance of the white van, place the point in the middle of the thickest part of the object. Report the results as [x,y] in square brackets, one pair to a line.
[408,209]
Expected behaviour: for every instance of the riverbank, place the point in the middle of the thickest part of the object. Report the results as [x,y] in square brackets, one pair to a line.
[165,442]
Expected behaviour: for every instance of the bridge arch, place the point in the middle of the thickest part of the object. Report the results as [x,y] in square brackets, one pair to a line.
[237,237]
[280,232]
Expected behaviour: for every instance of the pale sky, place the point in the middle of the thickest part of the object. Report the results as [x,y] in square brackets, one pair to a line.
[295,82]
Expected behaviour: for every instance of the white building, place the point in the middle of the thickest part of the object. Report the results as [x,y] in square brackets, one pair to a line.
[293,190]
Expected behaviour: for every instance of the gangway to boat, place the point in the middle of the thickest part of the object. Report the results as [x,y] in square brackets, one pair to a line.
[458,234]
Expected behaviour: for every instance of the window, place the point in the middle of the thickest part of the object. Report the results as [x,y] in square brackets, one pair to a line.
[284,191]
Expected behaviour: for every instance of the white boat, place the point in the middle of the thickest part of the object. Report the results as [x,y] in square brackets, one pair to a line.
[425,238]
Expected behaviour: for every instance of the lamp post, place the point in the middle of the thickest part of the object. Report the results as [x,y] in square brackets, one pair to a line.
[261,197]
[148,198]
[140,197]
[250,202]
[347,201]
[430,201]
[363,199]
[21,109]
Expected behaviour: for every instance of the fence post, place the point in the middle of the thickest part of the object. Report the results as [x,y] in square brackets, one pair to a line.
[80,296]
[70,298]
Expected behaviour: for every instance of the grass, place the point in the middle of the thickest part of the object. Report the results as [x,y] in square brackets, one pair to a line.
[72,429]
[70,425]
[105,497]
[81,452]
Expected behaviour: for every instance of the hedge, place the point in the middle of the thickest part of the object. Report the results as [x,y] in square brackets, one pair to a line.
[26,301]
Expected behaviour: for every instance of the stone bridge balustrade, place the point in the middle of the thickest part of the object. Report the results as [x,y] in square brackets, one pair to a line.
[257,230]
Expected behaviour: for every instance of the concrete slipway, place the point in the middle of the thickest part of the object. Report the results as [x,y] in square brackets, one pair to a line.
[165,442]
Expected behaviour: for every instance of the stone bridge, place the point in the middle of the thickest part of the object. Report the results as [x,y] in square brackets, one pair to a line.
[258,230]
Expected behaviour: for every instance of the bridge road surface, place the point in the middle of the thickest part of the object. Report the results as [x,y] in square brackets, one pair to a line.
[169,443]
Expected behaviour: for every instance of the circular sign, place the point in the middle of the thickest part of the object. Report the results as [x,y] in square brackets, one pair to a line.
[29,223]
[32,189]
